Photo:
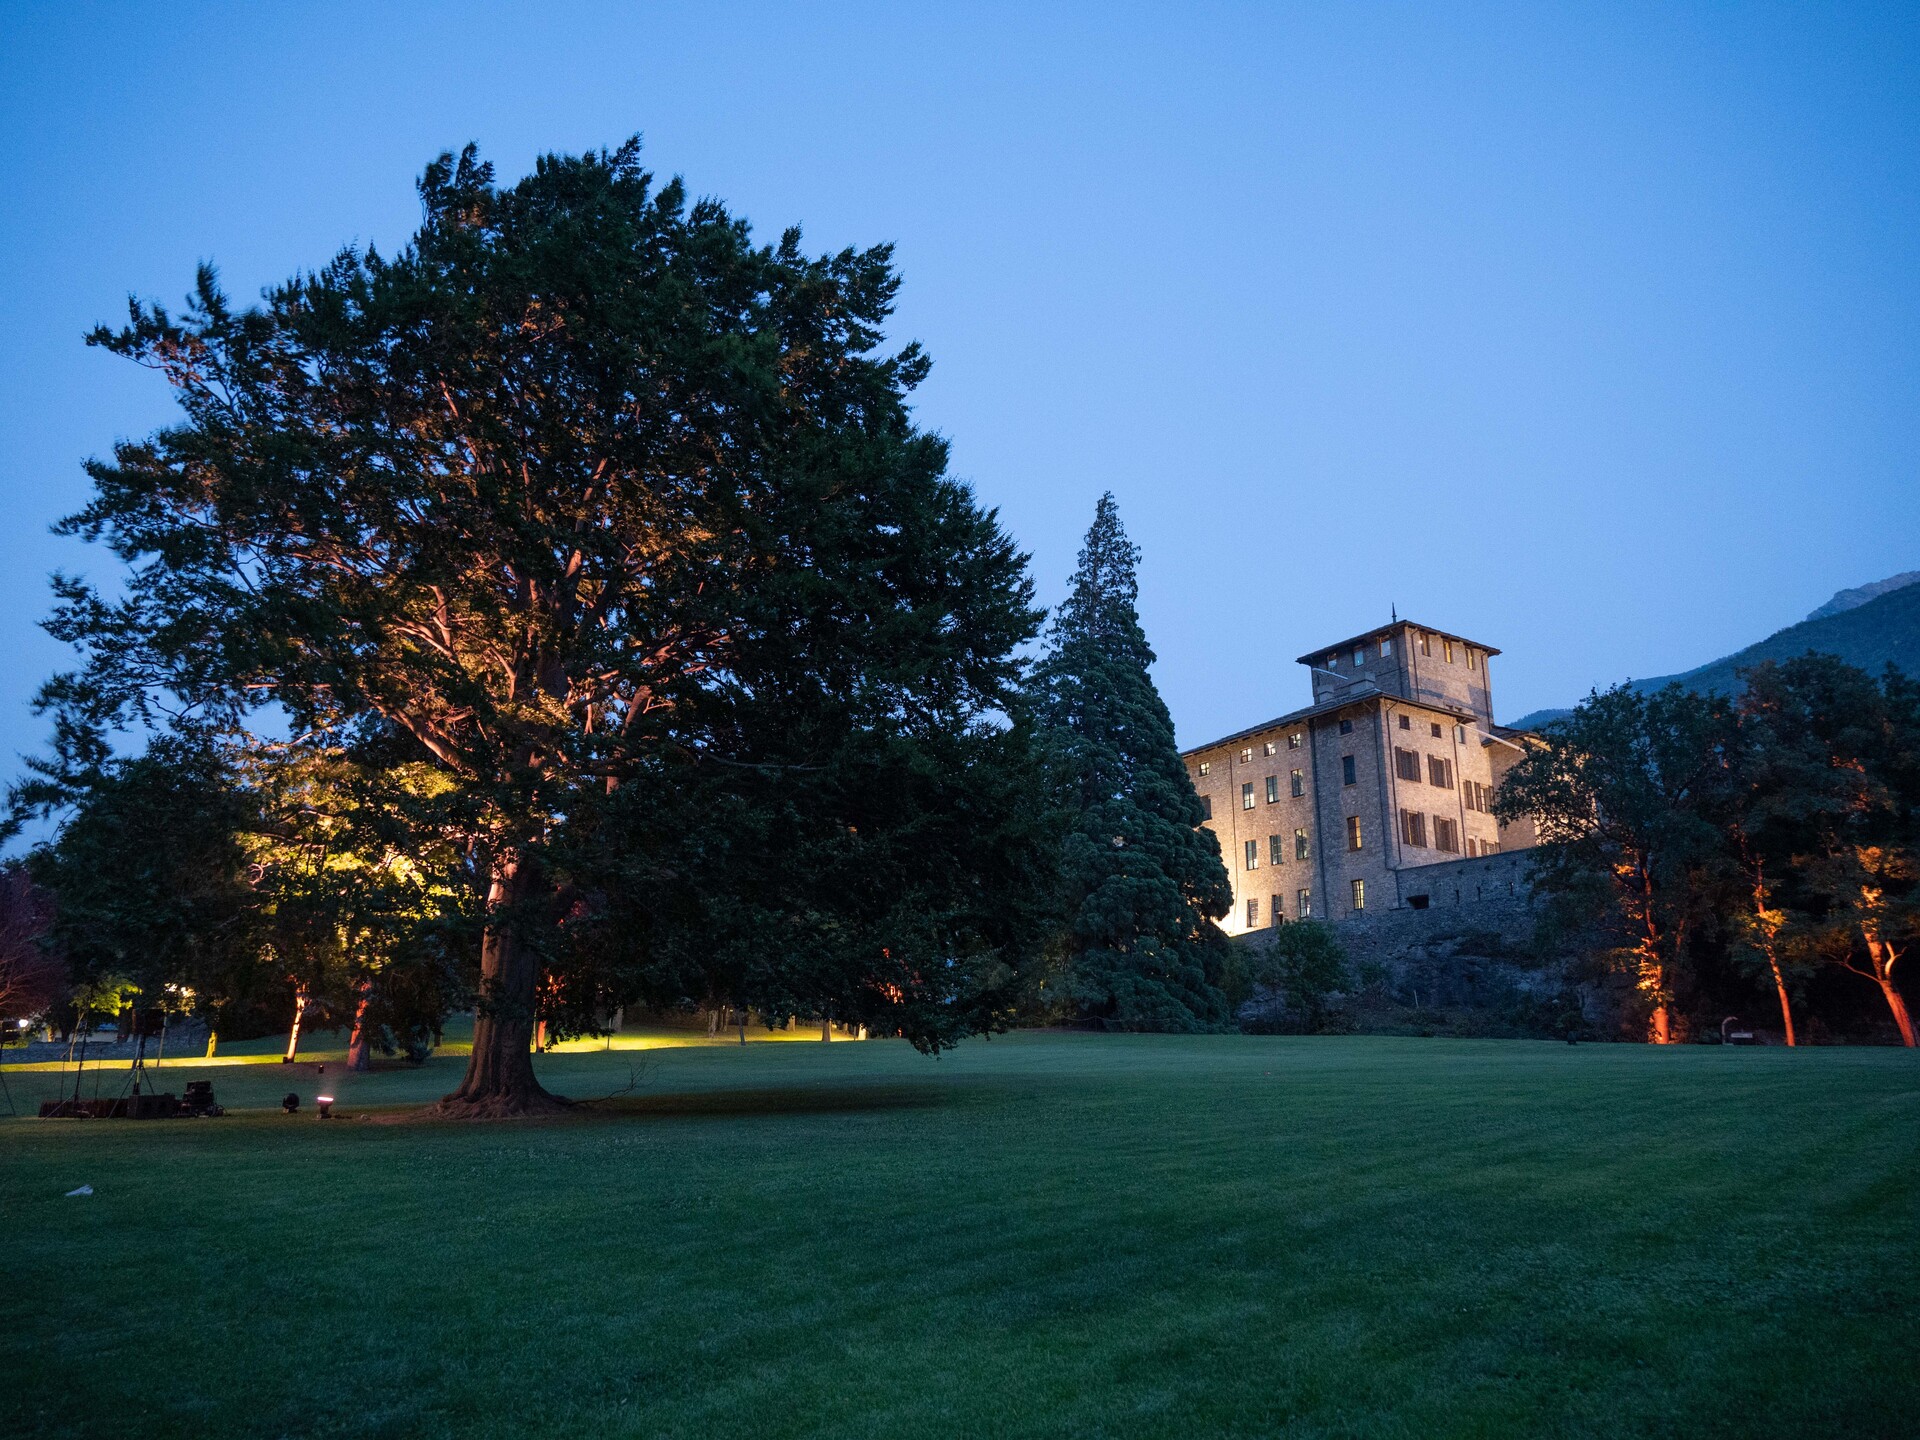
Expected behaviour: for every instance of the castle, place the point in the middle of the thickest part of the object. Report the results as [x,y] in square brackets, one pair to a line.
[1377,796]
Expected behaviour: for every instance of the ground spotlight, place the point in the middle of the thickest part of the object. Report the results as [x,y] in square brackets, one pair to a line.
[326,1106]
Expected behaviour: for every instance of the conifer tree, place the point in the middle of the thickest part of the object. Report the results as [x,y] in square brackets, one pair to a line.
[1143,883]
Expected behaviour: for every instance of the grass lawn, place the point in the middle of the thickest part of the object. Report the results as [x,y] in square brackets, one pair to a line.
[1036,1235]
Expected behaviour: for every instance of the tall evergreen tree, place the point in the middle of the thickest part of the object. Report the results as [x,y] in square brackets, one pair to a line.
[1143,882]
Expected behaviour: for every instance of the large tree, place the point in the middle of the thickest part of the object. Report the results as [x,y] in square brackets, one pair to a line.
[1627,794]
[560,496]
[1142,880]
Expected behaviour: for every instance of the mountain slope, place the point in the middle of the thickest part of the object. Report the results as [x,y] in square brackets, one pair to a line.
[1884,630]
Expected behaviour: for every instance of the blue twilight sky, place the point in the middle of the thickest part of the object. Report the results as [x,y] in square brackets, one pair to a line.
[1587,331]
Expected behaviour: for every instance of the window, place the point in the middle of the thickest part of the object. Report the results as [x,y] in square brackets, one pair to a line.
[1206,767]
[1405,723]
[1306,904]
[1276,910]
[1439,772]
[1354,841]
[1359,658]
[1276,849]
[1246,795]
[1253,854]
[1446,835]
[1359,894]
[1294,740]
[1426,643]
[1386,648]
[1246,755]
[1413,828]
[1333,662]
[1478,796]
[1470,659]
[1299,783]
[1471,844]
[1447,646]
[1434,726]
[1253,913]
[1489,847]
[1269,748]
[1460,733]
[1206,807]
[1300,846]
[1273,789]
[1406,764]
[1348,769]
[1346,727]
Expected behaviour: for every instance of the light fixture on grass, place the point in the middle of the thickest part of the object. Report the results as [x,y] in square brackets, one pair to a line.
[326,1106]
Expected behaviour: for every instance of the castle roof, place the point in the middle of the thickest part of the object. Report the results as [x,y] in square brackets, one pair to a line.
[1390,628]
[1359,696]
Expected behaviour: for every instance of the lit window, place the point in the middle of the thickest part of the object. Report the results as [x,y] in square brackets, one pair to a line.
[1354,841]
[1426,643]
[1246,755]
[1206,767]
[1273,789]
[1359,894]
[1348,770]
[1246,796]
[1253,913]
[1294,740]
[1386,648]
[1306,904]
[1269,748]
[1206,807]
[1276,850]
[1447,646]
[1470,659]
[1346,727]
[1300,846]
[1299,781]
[1253,854]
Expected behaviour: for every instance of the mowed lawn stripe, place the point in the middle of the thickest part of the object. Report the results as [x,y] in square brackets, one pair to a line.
[1040,1235]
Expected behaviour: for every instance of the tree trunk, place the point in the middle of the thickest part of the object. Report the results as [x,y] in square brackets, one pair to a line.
[1883,956]
[358,1057]
[499,1082]
[293,1035]
[1780,986]
[826,1027]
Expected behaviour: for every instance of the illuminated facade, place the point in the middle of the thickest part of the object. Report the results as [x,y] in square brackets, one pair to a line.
[1374,796]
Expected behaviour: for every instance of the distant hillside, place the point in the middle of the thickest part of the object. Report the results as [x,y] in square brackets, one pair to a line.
[1884,630]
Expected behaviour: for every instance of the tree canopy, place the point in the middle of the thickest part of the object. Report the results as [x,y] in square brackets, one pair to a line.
[585,503]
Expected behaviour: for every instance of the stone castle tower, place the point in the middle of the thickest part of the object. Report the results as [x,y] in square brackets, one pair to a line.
[1376,796]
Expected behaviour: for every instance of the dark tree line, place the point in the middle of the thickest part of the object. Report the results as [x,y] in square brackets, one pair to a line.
[1777,833]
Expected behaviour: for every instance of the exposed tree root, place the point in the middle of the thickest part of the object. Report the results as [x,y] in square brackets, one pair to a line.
[516,1105]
